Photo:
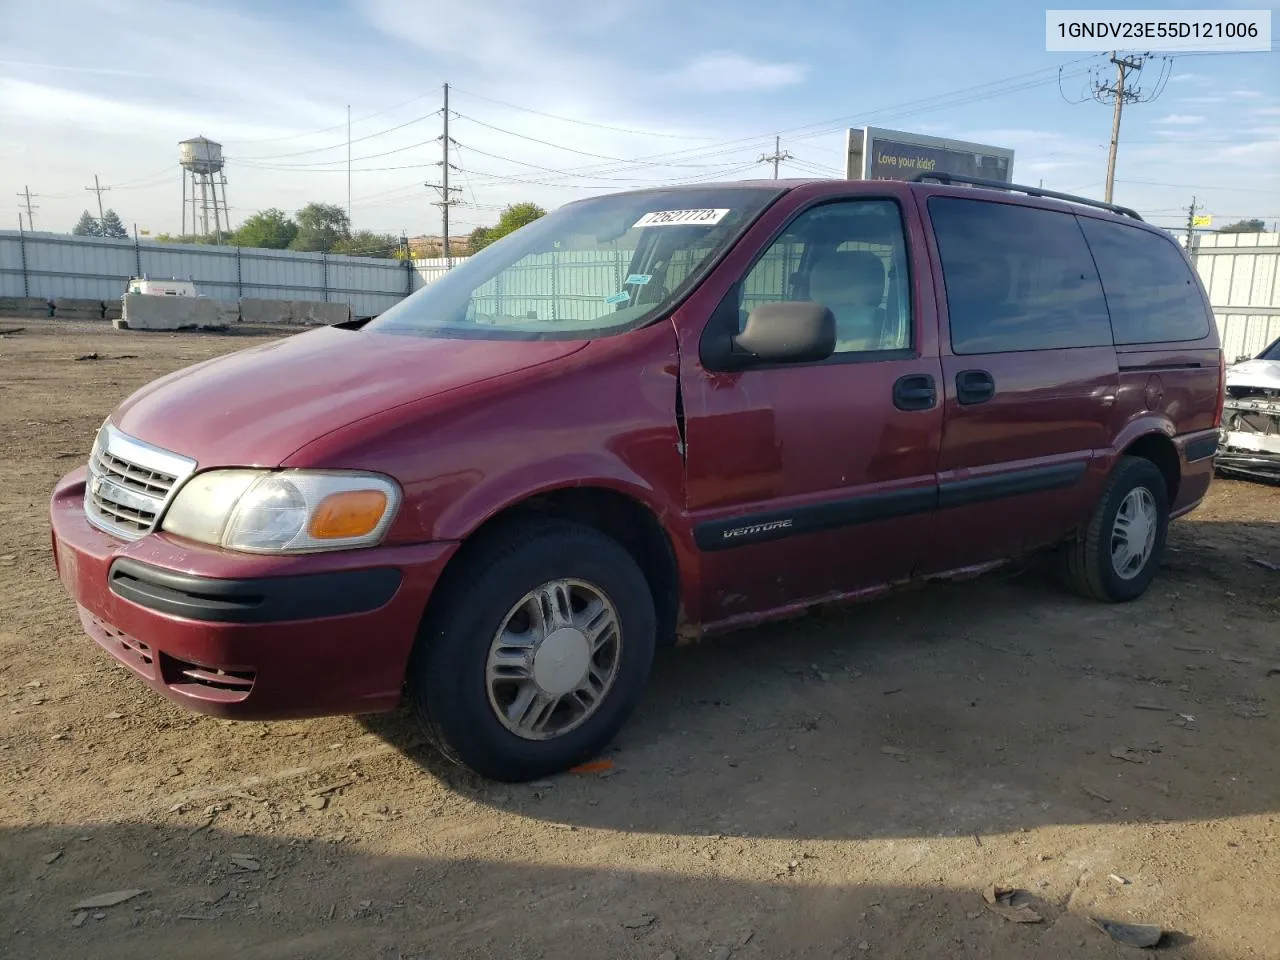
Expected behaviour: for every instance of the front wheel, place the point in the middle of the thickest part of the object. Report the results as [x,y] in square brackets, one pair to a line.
[1118,552]
[538,653]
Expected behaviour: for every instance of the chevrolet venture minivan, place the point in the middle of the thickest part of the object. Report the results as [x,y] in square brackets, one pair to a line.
[644,418]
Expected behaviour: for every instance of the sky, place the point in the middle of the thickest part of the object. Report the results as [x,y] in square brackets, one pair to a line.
[553,101]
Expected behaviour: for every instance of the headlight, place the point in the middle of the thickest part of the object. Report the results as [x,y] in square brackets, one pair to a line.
[289,511]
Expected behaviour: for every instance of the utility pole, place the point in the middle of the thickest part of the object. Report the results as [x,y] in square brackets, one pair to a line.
[26,193]
[348,166]
[446,192]
[776,157]
[1191,224]
[1121,95]
[98,189]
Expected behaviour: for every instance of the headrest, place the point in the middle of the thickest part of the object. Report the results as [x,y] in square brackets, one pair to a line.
[847,277]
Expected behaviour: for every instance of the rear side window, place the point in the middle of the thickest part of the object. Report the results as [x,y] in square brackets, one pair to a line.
[1017,278]
[1151,291]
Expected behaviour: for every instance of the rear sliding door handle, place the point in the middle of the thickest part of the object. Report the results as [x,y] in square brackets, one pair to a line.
[974,386]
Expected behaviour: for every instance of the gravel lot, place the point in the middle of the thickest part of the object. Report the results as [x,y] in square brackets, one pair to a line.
[845,785]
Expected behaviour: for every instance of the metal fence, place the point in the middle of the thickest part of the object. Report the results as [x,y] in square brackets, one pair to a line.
[1241,272]
[52,265]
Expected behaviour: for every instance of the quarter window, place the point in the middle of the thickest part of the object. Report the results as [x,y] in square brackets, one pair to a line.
[1151,292]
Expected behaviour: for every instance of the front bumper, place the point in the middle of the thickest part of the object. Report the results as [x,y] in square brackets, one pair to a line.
[1250,444]
[250,637]
[1234,460]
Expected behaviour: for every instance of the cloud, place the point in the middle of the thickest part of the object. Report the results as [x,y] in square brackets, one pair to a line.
[57,106]
[1248,153]
[28,66]
[1246,94]
[733,73]
[1181,119]
[1202,100]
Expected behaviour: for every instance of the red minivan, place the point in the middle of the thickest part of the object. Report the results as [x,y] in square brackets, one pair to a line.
[646,417]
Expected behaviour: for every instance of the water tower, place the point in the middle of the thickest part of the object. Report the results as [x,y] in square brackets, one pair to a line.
[201,161]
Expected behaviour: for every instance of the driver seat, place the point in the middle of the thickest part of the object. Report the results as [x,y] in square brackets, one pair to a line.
[850,283]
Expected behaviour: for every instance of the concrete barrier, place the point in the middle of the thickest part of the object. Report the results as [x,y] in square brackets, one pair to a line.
[317,312]
[253,310]
[72,308]
[29,307]
[150,312]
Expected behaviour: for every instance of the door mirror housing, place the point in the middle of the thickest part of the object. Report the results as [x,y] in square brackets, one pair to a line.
[792,332]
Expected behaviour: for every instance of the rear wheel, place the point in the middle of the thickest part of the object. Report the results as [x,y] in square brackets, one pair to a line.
[538,654]
[1118,552]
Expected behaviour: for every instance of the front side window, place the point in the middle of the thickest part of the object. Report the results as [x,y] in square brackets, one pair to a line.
[851,257]
[1017,278]
[592,268]
[1152,293]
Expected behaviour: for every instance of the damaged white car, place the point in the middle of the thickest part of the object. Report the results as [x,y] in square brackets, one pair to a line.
[1250,442]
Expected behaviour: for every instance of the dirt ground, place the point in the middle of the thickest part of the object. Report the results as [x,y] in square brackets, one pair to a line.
[845,785]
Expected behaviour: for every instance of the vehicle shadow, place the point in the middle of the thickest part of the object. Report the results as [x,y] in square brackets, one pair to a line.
[290,897]
[955,709]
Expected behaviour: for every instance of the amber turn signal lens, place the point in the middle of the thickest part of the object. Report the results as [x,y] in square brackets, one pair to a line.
[352,513]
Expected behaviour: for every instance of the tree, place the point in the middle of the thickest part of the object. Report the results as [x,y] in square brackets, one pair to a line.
[515,216]
[479,238]
[112,227]
[320,226]
[272,228]
[1244,226]
[366,243]
[87,226]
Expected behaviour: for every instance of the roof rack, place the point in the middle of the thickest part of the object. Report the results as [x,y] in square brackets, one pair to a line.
[947,178]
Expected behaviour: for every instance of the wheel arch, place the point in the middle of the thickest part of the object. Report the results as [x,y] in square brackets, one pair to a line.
[624,518]
[1159,449]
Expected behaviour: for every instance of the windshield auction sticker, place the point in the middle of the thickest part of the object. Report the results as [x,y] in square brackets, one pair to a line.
[680,218]
[1213,31]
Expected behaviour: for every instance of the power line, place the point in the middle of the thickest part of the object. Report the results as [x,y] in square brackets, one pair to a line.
[584,123]
[545,143]
[344,143]
[1199,186]
[336,126]
[570,173]
[319,165]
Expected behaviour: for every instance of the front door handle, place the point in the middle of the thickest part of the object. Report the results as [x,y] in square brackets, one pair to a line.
[974,386]
[915,392]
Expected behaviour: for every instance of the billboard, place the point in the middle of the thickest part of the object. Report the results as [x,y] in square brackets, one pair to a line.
[876,154]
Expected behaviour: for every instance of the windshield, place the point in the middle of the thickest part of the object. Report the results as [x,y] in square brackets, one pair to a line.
[1271,353]
[591,268]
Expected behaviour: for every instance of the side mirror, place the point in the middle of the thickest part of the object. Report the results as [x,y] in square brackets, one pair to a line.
[793,332]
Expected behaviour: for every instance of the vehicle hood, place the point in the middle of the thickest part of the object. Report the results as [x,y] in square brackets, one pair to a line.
[1255,373]
[257,406]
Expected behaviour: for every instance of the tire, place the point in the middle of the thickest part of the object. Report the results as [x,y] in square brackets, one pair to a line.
[450,673]
[1091,565]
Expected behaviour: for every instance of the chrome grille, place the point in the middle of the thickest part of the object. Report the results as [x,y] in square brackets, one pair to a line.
[130,483]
